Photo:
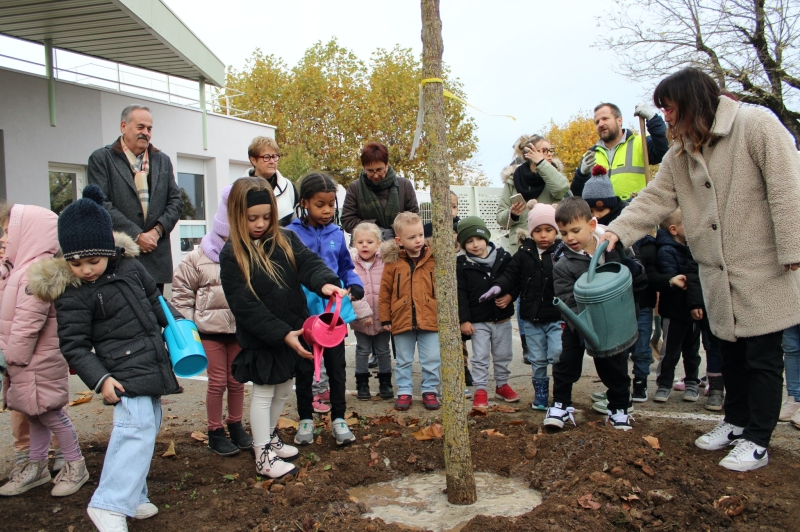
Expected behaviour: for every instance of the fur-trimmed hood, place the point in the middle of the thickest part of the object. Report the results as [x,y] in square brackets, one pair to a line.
[49,278]
[390,251]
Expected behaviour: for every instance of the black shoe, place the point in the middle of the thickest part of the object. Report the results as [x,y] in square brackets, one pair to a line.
[467,377]
[221,445]
[385,390]
[525,352]
[239,436]
[639,390]
[373,362]
[362,387]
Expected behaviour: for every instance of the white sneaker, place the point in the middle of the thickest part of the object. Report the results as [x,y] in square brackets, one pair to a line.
[620,420]
[720,437]
[107,521]
[284,452]
[270,465]
[746,456]
[305,432]
[788,409]
[342,432]
[146,510]
[557,415]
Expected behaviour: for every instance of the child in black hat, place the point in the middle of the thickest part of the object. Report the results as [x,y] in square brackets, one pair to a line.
[109,329]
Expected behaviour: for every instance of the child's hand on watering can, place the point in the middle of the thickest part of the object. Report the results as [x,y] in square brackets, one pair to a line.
[330,289]
[293,340]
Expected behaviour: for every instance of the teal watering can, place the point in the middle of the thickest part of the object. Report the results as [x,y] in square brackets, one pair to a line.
[183,341]
[607,312]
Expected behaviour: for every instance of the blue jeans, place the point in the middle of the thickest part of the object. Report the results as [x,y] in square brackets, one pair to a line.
[544,347]
[123,482]
[427,343]
[641,353]
[791,360]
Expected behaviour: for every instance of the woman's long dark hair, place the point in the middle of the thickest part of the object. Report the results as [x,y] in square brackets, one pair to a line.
[694,97]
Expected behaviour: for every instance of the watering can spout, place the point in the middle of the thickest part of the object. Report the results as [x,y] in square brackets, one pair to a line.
[579,322]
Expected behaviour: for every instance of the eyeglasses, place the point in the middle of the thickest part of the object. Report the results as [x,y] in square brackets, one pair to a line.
[376,171]
[547,151]
[266,158]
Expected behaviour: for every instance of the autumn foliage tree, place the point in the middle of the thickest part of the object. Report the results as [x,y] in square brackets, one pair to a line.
[571,140]
[331,103]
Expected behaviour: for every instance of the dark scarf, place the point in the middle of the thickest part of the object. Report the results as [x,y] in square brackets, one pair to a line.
[369,206]
[528,183]
[613,215]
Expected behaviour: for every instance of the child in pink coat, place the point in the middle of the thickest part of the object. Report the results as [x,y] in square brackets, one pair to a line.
[38,373]
[371,337]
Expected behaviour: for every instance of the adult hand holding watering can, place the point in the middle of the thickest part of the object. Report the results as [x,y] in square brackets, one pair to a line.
[293,338]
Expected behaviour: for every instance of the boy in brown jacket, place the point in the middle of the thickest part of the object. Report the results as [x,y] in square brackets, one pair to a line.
[407,308]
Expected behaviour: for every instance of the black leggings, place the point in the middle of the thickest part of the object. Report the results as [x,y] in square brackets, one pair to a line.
[335,365]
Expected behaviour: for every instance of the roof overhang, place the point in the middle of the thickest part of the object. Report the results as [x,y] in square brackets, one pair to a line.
[140,33]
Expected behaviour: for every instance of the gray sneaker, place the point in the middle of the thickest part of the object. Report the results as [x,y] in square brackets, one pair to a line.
[662,394]
[35,473]
[716,398]
[692,392]
[305,432]
[342,432]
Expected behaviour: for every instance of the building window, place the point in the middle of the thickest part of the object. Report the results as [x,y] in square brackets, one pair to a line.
[193,225]
[66,185]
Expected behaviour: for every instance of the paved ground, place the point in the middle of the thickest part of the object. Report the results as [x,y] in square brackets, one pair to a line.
[186,412]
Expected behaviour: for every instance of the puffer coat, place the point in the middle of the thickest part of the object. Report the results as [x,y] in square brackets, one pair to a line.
[368,305]
[38,373]
[112,326]
[197,294]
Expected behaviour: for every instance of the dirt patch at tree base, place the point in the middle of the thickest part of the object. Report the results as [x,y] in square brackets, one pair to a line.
[591,478]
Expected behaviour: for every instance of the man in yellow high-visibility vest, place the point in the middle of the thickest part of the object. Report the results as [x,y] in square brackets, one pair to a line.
[620,150]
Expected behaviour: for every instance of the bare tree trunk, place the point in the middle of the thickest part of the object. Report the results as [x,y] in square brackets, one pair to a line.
[457,456]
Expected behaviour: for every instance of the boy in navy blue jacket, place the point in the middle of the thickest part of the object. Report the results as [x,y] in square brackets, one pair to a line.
[681,331]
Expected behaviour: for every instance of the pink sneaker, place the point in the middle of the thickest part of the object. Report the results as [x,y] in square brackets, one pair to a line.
[324,397]
[679,385]
[320,407]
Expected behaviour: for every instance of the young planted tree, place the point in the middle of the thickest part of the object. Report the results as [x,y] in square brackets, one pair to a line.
[457,456]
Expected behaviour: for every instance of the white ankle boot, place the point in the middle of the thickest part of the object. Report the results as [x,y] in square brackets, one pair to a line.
[284,452]
[270,464]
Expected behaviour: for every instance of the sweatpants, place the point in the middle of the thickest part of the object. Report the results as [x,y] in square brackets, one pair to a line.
[613,371]
[334,361]
[680,338]
[752,369]
[491,339]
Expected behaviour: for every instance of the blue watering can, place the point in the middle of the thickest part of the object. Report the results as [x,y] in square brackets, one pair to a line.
[607,312]
[183,341]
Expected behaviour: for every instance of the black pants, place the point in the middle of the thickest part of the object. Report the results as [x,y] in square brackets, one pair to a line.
[613,371]
[334,361]
[680,338]
[752,369]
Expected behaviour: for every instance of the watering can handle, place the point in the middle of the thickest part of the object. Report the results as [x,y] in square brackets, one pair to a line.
[171,323]
[338,299]
[595,259]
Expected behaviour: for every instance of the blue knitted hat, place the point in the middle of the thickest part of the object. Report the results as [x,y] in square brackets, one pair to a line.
[598,191]
[84,228]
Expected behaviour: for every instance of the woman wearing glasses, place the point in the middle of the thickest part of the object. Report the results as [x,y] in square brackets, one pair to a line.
[264,155]
[379,194]
[534,174]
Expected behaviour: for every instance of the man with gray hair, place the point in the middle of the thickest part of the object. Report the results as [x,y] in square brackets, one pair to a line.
[141,193]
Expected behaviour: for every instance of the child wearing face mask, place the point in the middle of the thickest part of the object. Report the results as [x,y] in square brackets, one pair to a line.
[109,329]
[262,267]
[371,337]
[317,226]
[530,276]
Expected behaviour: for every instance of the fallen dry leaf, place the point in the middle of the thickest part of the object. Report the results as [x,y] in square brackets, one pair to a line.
[429,433]
[587,502]
[200,436]
[647,470]
[503,408]
[401,421]
[286,423]
[652,441]
[86,392]
[731,505]
[351,422]
[382,420]
[478,412]
[412,459]
[170,450]
[373,454]
[493,432]
[517,422]
[84,398]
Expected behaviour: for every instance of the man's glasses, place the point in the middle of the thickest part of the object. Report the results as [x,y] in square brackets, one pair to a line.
[267,158]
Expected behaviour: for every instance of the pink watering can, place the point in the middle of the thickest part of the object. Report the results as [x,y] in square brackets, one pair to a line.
[324,330]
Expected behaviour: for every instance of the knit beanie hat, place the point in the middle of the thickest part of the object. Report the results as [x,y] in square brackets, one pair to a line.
[472,226]
[541,214]
[85,229]
[598,191]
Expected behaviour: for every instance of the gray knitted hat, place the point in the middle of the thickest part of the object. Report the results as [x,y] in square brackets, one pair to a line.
[598,191]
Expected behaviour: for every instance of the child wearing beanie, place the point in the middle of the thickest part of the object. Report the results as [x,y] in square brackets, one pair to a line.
[488,323]
[38,375]
[530,275]
[109,328]
[599,194]
[197,294]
